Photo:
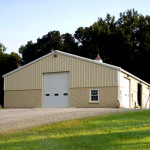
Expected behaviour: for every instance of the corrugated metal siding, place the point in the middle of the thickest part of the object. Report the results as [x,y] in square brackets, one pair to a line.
[134,90]
[82,73]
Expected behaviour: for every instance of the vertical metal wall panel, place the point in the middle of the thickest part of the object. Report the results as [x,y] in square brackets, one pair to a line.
[133,89]
[82,73]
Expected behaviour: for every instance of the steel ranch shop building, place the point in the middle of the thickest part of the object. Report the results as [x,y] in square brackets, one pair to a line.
[60,79]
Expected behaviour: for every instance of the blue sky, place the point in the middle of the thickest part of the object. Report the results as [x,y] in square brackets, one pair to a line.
[25,20]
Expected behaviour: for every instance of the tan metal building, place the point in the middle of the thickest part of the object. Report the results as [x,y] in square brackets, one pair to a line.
[60,79]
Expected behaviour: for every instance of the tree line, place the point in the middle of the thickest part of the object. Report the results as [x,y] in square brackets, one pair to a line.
[123,42]
[8,62]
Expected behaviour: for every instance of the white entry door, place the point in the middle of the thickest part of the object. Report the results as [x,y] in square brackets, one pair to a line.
[125,93]
[56,89]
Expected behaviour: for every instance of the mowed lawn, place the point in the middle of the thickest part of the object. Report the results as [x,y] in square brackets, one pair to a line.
[122,131]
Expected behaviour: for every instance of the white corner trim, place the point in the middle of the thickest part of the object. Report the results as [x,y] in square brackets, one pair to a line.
[118,78]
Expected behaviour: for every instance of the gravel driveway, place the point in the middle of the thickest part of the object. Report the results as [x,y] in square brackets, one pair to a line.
[16,119]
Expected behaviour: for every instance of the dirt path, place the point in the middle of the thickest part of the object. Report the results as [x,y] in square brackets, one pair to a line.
[17,119]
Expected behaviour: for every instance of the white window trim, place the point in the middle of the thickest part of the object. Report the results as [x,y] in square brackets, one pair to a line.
[90,96]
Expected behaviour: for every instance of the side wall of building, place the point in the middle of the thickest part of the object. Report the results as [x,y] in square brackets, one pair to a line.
[108,97]
[23,99]
[134,90]
[79,97]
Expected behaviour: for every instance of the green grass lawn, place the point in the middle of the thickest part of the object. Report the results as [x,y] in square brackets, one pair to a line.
[122,131]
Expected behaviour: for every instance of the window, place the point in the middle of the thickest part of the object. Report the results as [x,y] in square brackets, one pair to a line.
[94,96]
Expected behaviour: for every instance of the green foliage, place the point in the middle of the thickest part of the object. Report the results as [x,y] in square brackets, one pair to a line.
[124,42]
[68,44]
[8,62]
[113,132]
[2,48]
[49,42]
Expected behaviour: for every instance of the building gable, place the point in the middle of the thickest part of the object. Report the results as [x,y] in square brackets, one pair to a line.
[83,73]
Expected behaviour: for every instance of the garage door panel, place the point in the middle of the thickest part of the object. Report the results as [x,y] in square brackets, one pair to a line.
[54,104]
[56,85]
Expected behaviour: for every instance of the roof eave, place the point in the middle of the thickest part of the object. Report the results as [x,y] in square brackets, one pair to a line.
[134,77]
[90,60]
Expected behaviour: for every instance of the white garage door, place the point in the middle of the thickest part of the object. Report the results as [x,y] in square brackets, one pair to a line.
[56,89]
[125,93]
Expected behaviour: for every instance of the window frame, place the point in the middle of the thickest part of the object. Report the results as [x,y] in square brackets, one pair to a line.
[90,100]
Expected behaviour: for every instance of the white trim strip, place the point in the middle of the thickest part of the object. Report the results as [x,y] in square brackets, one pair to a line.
[89,60]
[118,78]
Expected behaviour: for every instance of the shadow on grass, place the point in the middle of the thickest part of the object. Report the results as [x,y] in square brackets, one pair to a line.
[112,141]
[116,132]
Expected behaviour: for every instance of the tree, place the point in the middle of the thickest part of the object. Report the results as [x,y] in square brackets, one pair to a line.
[68,44]
[87,41]
[124,42]
[49,42]
[134,43]
[8,62]
[95,38]
[28,52]
[2,48]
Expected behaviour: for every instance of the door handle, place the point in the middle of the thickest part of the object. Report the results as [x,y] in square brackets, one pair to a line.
[65,94]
